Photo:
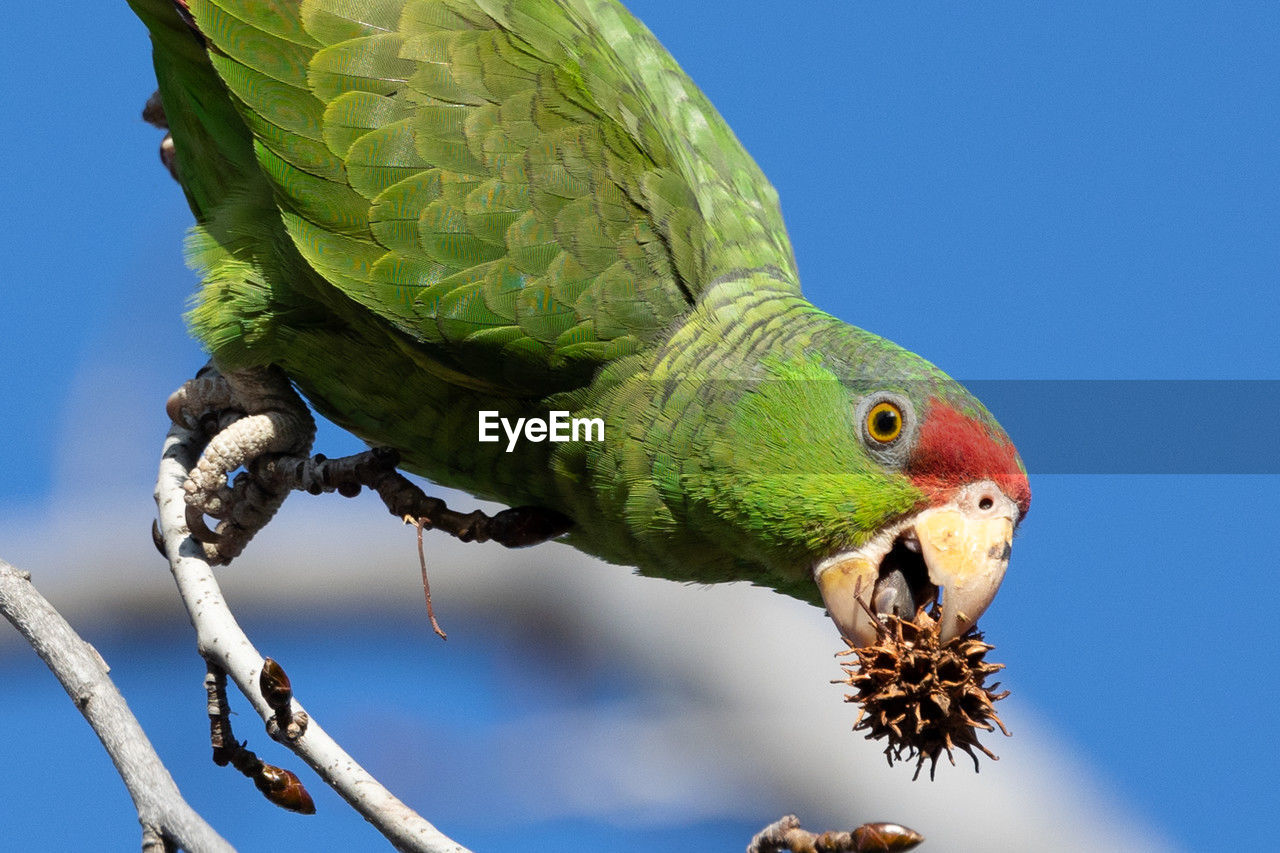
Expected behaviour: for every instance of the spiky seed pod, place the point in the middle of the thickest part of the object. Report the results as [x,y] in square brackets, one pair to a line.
[921,695]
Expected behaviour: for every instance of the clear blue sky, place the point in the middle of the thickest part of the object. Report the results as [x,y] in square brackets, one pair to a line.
[1014,190]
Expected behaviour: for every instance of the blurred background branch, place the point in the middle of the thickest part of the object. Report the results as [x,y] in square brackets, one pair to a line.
[167,821]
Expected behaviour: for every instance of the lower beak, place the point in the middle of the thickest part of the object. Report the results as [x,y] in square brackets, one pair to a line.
[964,546]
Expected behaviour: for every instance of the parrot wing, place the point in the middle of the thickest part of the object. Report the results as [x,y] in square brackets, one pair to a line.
[524,189]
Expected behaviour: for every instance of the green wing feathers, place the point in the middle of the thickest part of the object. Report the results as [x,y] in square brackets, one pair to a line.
[523,189]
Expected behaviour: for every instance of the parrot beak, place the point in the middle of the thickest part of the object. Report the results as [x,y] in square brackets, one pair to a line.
[961,546]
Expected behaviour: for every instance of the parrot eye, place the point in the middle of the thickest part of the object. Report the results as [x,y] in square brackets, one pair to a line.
[884,422]
[888,425]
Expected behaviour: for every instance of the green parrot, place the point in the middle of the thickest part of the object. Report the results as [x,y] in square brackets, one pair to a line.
[513,241]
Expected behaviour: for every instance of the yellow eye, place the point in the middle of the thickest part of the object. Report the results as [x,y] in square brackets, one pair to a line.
[884,422]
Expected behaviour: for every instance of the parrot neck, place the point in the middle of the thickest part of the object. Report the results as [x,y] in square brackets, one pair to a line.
[699,478]
[741,319]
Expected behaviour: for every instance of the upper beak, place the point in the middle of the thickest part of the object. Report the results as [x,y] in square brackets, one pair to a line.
[963,546]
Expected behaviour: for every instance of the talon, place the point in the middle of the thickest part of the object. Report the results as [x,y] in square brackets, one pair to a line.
[175,407]
[198,529]
[157,539]
[153,112]
[169,156]
[249,416]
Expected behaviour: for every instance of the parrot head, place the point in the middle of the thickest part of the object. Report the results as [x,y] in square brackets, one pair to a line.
[904,492]
[954,540]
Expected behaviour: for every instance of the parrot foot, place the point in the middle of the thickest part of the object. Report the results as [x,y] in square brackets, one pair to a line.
[253,418]
[153,114]
[786,834]
[375,469]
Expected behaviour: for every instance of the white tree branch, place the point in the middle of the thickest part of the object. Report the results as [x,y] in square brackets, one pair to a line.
[224,645]
[167,821]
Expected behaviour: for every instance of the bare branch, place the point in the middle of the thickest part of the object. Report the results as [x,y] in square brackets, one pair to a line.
[167,821]
[225,647]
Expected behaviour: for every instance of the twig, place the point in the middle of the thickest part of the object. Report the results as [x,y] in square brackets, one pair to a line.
[167,821]
[225,646]
[280,786]
[786,834]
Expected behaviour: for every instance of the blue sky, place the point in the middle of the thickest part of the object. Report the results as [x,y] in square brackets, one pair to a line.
[1017,191]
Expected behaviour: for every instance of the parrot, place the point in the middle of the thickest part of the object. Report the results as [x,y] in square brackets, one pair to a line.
[438,217]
